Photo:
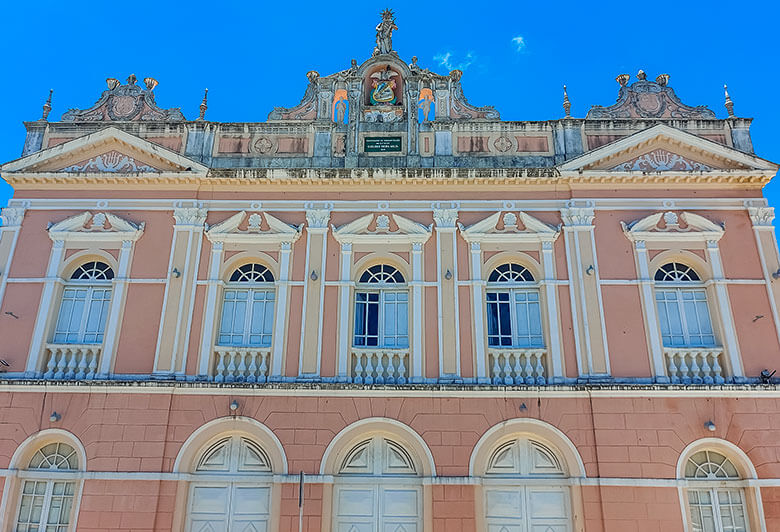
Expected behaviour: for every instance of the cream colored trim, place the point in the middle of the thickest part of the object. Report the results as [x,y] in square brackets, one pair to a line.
[281,312]
[478,313]
[698,228]
[11,218]
[650,312]
[485,230]
[345,264]
[729,330]
[417,316]
[357,232]
[210,310]
[45,309]
[116,310]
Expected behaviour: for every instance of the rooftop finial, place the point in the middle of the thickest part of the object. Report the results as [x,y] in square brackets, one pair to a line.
[622,79]
[384,33]
[729,105]
[641,76]
[47,107]
[204,105]
[566,103]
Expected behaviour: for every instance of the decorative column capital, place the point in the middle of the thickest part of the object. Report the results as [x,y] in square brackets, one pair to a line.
[761,216]
[12,216]
[190,216]
[445,218]
[318,218]
[346,247]
[578,213]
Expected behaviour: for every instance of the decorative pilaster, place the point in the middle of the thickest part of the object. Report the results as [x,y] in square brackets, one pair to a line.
[313,293]
[178,301]
[46,308]
[114,318]
[11,218]
[587,307]
[210,310]
[478,303]
[417,317]
[280,318]
[345,285]
[647,296]
[447,274]
[551,299]
[762,217]
[730,344]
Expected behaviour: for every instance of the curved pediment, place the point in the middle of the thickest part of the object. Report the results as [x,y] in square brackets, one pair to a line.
[257,227]
[100,226]
[382,228]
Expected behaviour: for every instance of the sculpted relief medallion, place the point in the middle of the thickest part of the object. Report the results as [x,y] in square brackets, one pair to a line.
[263,145]
[502,144]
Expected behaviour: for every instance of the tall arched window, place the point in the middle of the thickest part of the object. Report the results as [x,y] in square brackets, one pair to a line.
[381,309]
[84,305]
[513,313]
[248,308]
[47,505]
[715,507]
[378,489]
[224,502]
[682,307]
[514,497]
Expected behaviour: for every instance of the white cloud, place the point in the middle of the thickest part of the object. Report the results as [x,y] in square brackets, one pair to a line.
[448,60]
[519,42]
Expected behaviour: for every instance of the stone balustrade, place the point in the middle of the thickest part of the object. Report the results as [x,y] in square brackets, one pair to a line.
[241,364]
[72,361]
[700,365]
[380,366]
[511,366]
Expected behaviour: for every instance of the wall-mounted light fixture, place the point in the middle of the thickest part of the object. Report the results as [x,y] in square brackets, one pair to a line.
[710,426]
[234,406]
[448,275]
[776,275]
[313,275]
[55,417]
[590,269]
[176,273]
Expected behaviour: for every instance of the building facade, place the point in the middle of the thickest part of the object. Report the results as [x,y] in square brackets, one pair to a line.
[446,321]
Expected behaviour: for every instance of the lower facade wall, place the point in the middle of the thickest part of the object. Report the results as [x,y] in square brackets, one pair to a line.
[630,441]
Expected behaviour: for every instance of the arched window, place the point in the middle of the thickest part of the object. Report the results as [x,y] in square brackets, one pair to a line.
[248,307]
[84,305]
[715,509]
[378,488]
[48,504]
[381,309]
[513,313]
[224,502]
[682,307]
[515,500]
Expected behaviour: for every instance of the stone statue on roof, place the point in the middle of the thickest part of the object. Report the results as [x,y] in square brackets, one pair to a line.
[384,33]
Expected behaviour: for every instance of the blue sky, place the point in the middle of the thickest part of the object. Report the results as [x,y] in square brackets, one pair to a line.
[515,55]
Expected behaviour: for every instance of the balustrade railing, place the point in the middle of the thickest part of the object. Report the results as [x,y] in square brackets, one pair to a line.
[701,365]
[380,366]
[241,364]
[72,361]
[511,366]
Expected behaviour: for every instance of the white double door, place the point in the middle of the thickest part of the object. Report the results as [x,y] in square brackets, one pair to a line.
[378,508]
[229,507]
[527,509]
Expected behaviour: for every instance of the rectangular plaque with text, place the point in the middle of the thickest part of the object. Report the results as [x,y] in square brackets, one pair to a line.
[381,144]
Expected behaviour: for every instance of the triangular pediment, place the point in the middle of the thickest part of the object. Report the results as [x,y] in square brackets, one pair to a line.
[665,149]
[102,226]
[256,227]
[509,226]
[108,151]
[373,228]
[673,226]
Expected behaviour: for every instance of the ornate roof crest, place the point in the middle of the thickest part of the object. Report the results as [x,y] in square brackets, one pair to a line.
[648,99]
[127,102]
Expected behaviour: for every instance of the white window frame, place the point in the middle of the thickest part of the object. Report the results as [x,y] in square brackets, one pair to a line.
[250,288]
[714,485]
[384,291]
[695,291]
[48,492]
[514,288]
[93,287]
